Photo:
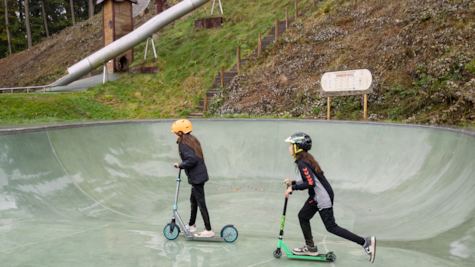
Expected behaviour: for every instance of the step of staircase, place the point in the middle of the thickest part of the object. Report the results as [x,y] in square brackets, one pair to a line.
[202,101]
[195,115]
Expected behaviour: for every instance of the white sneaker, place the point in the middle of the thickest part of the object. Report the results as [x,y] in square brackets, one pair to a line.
[205,233]
[370,247]
[191,228]
[306,250]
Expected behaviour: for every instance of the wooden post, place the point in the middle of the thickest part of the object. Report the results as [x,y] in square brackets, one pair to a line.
[296,10]
[222,78]
[365,106]
[160,5]
[206,103]
[239,58]
[276,29]
[287,17]
[259,46]
[313,3]
[328,108]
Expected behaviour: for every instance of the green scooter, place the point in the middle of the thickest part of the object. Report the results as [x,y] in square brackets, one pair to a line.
[280,244]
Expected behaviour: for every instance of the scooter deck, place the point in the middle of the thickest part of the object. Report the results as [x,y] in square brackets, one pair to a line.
[319,257]
[215,238]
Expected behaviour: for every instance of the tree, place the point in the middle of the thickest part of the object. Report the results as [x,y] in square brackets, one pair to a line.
[45,17]
[91,8]
[8,30]
[27,24]
[72,12]
[55,12]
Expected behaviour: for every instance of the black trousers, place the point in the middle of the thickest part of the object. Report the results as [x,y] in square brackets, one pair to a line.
[197,199]
[308,211]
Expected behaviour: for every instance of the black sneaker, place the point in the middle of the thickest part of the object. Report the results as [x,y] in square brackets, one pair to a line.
[370,247]
[306,250]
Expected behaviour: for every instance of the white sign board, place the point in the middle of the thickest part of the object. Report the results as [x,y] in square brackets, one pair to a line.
[349,82]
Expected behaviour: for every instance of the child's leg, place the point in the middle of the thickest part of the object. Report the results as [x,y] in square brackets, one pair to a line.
[329,221]
[198,191]
[306,213]
[194,206]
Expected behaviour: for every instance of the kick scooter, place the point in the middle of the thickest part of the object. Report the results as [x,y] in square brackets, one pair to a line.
[172,230]
[280,244]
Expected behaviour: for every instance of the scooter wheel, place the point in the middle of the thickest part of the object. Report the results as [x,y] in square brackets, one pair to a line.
[171,232]
[277,254]
[330,256]
[229,233]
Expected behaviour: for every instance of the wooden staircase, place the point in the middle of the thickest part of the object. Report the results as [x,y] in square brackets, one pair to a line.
[229,75]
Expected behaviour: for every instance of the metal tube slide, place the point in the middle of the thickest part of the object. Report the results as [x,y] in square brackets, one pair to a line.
[128,41]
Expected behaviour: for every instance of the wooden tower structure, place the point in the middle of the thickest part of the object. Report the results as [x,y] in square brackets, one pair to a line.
[117,21]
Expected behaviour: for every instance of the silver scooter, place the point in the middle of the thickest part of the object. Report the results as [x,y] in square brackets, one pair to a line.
[172,230]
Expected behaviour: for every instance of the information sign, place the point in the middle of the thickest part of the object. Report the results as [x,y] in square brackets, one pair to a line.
[348,82]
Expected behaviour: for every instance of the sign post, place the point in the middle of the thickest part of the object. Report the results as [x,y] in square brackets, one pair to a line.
[345,83]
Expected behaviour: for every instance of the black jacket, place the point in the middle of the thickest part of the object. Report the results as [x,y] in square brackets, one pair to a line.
[319,189]
[194,166]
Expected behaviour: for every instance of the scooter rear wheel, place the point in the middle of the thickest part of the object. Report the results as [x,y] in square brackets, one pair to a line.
[171,232]
[229,233]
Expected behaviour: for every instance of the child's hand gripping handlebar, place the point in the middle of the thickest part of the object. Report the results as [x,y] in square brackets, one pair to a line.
[288,191]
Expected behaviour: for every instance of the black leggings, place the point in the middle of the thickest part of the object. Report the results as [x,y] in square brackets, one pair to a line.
[308,211]
[197,199]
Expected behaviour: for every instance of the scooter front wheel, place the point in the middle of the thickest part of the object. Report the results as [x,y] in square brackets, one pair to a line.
[277,253]
[229,233]
[171,231]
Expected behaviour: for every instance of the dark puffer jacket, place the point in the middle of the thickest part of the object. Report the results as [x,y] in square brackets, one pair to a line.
[194,166]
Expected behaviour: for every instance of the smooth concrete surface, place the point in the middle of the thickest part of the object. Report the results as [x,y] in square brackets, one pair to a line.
[100,195]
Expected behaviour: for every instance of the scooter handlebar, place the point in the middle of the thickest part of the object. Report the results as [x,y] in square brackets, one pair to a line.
[288,185]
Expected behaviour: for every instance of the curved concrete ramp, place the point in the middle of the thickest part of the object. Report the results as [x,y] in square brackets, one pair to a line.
[101,195]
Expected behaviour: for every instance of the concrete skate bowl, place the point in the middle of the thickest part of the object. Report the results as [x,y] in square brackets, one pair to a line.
[100,194]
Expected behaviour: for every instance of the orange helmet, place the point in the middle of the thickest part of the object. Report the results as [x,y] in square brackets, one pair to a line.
[183,126]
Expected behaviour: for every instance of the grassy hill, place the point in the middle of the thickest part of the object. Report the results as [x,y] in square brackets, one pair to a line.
[189,60]
[422,54]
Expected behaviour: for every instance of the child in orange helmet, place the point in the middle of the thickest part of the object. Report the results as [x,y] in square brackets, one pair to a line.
[194,165]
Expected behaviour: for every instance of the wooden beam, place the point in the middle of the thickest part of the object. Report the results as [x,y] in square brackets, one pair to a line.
[296,10]
[222,78]
[365,106]
[287,17]
[259,46]
[239,58]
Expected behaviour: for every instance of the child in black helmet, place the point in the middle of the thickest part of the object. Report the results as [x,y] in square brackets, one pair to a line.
[320,199]
[195,168]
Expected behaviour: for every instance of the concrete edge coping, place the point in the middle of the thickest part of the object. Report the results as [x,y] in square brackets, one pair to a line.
[21,130]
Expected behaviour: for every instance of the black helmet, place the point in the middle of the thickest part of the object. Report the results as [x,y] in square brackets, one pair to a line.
[303,140]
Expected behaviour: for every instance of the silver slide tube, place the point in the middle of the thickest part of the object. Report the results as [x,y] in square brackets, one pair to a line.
[128,41]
